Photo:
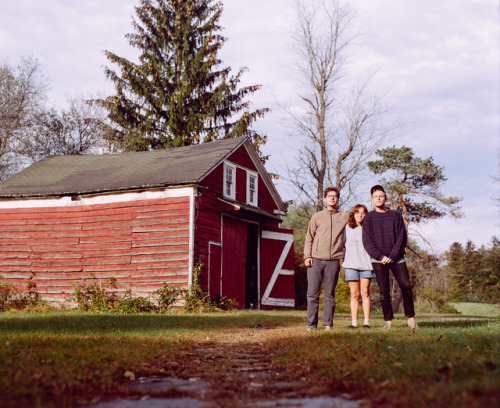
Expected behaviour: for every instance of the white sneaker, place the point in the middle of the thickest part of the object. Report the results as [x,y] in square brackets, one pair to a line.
[412,324]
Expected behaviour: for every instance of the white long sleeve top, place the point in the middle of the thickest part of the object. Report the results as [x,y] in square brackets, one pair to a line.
[355,255]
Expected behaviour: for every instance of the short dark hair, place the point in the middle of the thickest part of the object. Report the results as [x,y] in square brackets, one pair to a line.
[328,189]
[377,187]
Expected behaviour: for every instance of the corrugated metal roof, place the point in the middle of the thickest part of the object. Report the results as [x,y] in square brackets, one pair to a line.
[88,174]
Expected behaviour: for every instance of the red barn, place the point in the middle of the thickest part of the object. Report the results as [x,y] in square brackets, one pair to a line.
[146,218]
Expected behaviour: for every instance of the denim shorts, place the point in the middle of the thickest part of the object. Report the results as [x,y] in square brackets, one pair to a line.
[354,275]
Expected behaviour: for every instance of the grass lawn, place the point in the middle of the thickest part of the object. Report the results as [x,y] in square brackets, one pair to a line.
[477,309]
[63,359]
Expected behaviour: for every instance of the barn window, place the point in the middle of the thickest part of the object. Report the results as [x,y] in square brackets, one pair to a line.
[252,180]
[229,180]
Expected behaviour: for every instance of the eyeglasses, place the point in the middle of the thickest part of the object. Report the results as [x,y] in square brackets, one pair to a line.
[332,196]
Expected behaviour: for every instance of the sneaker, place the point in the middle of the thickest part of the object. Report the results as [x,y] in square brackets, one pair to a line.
[352,327]
[387,326]
[412,324]
[366,326]
[328,327]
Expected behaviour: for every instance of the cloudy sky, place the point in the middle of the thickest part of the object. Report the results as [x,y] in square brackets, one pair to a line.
[436,65]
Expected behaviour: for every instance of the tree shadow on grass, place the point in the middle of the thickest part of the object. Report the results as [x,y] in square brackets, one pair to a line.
[455,322]
[80,323]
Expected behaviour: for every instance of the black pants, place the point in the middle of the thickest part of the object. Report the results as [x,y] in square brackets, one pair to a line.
[400,273]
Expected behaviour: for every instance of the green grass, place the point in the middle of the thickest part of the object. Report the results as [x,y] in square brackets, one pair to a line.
[477,309]
[62,359]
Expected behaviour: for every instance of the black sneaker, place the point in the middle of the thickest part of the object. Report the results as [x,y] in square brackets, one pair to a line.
[366,326]
[352,327]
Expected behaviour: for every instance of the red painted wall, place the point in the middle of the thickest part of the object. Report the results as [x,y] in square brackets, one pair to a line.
[214,181]
[141,243]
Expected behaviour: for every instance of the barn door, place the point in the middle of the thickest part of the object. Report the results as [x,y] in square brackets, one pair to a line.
[277,268]
[234,253]
[214,269]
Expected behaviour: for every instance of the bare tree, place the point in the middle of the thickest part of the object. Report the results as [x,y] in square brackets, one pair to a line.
[79,129]
[340,129]
[22,94]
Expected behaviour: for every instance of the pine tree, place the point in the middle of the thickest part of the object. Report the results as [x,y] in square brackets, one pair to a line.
[178,94]
[415,187]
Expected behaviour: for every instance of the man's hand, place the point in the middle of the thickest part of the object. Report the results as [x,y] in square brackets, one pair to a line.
[308,262]
[386,260]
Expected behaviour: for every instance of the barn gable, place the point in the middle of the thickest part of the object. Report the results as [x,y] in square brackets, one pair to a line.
[143,218]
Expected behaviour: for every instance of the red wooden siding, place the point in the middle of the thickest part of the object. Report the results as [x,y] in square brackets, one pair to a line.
[207,228]
[214,181]
[241,185]
[140,243]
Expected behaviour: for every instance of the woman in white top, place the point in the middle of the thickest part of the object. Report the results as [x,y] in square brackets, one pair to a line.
[357,266]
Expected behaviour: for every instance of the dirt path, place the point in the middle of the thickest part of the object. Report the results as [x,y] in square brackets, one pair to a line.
[234,371]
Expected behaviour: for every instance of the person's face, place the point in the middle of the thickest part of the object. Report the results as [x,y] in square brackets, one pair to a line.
[359,216]
[331,199]
[379,199]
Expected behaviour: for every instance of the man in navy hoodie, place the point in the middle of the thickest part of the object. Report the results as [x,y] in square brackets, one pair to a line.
[384,238]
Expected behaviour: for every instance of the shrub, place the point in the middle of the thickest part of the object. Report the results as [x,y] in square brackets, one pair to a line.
[197,300]
[428,302]
[224,303]
[102,296]
[95,296]
[12,298]
[166,296]
[137,304]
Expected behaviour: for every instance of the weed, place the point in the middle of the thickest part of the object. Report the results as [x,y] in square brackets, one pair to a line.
[95,296]
[167,295]
[196,299]
[12,298]
[137,304]
[102,296]
[224,303]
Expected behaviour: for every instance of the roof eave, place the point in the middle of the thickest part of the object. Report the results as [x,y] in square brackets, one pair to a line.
[97,191]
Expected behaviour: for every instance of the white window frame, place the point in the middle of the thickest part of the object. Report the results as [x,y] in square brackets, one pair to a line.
[255,200]
[232,192]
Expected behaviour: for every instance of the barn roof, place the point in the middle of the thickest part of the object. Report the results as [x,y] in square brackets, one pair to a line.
[91,174]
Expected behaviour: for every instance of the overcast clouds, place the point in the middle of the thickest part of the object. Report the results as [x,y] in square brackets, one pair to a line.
[437,65]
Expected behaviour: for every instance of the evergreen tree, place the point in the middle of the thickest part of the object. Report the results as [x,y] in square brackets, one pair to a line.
[476,272]
[415,187]
[177,94]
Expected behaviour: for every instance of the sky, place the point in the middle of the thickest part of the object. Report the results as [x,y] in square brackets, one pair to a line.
[435,64]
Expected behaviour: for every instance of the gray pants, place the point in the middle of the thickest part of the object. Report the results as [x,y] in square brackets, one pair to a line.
[328,273]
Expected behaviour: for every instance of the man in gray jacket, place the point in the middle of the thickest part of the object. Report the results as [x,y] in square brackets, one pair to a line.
[323,249]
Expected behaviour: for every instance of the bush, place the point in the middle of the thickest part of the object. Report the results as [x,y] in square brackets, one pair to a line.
[102,296]
[96,296]
[432,303]
[137,304]
[12,298]
[197,300]
[224,303]
[167,295]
